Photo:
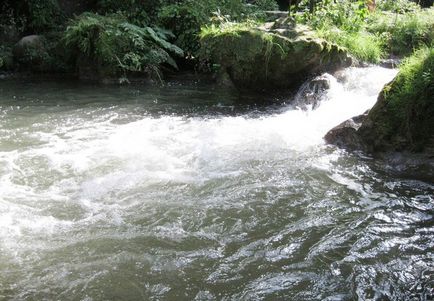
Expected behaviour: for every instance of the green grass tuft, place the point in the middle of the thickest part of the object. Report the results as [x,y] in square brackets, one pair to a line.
[362,45]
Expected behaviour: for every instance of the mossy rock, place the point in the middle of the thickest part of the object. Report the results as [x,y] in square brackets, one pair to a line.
[403,117]
[31,53]
[269,58]
[41,54]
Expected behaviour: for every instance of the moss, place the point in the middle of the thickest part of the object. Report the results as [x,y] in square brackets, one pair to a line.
[403,118]
[256,58]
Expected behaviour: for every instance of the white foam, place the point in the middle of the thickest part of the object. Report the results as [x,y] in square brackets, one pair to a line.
[80,165]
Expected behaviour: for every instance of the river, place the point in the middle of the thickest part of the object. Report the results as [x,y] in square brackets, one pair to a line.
[184,193]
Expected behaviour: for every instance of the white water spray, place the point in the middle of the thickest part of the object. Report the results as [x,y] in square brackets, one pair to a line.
[70,176]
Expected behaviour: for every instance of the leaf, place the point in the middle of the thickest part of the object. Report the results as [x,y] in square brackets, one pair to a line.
[163,43]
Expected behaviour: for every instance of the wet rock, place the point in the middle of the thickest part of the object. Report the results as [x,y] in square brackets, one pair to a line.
[28,42]
[402,120]
[312,92]
[345,135]
[276,14]
[31,54]
[41,54]
[389,63]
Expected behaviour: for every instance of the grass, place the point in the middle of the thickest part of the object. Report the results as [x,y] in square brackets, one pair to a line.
[404,33]
[362,45]
[410,98]
[226,28]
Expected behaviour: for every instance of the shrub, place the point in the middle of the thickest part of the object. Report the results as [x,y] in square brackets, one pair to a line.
[346,15]
[185,18]
[266,5]
[397,6]
[43,15]
[118,46]
[31,16]
[405,32]
[6,58]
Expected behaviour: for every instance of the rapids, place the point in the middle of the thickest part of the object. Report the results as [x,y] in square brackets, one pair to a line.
[183,193]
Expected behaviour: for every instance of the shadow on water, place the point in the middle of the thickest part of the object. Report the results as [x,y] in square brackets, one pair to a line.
[179,97]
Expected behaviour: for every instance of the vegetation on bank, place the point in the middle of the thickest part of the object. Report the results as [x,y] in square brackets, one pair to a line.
[403,118]
[394,28]
[138,36]
[116,46]
[411,99]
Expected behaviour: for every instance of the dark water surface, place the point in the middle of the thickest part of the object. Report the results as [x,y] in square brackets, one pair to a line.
[182,193]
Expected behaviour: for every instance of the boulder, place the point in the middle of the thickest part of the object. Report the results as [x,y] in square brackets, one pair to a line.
[31,52]
[345,135]
[312,92]
[402,120]
[275,56]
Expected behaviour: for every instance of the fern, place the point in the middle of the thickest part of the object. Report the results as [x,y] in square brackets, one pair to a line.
[119,45]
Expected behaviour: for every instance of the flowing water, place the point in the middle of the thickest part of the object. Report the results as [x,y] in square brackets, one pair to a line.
[183,193]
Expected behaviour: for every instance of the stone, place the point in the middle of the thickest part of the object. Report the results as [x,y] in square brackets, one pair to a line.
[279,57]
[402,119]
[31,53]
[312,92]
[27,43]
[345,135]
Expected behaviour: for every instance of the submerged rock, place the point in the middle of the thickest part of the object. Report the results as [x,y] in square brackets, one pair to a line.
[279,54]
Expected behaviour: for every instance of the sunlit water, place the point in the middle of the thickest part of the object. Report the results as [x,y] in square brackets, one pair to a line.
[181,193]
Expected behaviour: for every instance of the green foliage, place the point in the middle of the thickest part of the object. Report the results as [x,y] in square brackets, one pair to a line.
[362,45]
[342,22]
[10,17]
[410,98]
[119,46]
[185,18]
[33,16]
[397,6]
[43,14]
[262,5]
[139,12]
[344,14]
[227,28]
[6,58]
[404,32]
